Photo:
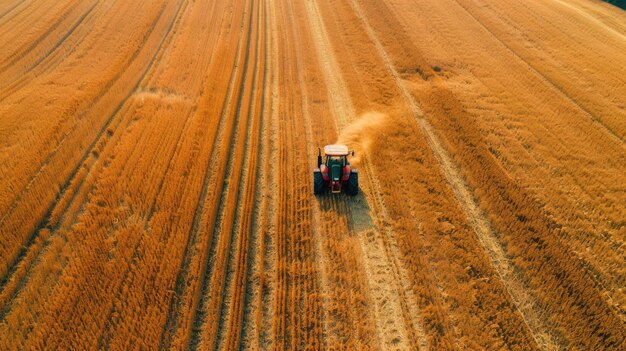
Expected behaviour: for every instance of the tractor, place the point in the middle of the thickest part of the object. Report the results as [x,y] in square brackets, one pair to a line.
[335,173]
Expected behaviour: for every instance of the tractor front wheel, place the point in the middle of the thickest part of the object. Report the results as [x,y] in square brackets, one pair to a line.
[318,183]
[353,184]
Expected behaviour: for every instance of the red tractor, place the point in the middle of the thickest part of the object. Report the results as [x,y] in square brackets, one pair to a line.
[335,173]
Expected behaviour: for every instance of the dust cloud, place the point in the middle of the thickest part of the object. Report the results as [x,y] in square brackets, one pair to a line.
[360,134]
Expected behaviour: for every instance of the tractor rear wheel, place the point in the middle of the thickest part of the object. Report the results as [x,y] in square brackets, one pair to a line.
[353,183]
[318,183]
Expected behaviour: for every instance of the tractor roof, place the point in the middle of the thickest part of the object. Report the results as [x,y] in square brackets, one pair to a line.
[336,150]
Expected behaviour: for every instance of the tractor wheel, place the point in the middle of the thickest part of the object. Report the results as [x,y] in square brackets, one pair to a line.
[318,183]
[353,183]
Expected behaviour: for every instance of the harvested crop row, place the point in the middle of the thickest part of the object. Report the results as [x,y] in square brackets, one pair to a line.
[256,275]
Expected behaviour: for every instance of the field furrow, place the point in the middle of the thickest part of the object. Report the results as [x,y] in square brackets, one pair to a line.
[255,280]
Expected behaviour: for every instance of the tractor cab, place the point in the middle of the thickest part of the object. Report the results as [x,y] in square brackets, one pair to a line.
[335,172]
[335,166]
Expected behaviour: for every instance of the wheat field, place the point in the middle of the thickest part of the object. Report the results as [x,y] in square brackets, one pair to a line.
[156,164]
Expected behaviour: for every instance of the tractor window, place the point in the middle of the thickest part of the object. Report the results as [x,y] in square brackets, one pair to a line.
[335,159]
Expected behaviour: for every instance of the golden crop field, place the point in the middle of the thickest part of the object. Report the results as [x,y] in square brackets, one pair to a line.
[157,157]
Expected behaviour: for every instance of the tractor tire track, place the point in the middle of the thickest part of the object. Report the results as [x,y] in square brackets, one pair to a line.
[187,127]
[116,112]
[278,314]
[252,305]
[110,322]
[379,249]
[268,260]
[85,110]
[347,318]
[106,335]
[58,215]
[4,20]
[322,281]
[207,320]
[607,287]
[11,8]
[247,209]
[229,305]
[522,300]
[55,224]
[299,316]
[58,15]
[214,176]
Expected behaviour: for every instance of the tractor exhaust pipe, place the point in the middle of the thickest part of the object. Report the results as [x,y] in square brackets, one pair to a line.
[319,157]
